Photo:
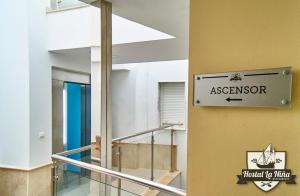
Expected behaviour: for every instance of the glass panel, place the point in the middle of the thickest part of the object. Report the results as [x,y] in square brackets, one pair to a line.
[72,169]
[162,154]
[68,3]
[70,183]
[81,182]
[84,156]
[132,157]
[136,156]
[165,159]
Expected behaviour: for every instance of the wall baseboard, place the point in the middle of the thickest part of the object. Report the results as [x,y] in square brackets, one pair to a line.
[25,169]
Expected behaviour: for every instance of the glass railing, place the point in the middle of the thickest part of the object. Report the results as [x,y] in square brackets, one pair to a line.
[62,4]
[139,161]
[68,3]
[147,154]
[70,182]
[72,176]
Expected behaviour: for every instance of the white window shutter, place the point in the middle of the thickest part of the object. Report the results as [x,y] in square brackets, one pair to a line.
[172,102]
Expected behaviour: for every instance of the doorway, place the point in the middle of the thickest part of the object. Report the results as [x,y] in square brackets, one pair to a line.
[71,114]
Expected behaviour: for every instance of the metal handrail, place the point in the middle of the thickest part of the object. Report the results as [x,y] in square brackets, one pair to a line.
[76,150]
[130,178]
[84,148]
[162,128]
[95,159]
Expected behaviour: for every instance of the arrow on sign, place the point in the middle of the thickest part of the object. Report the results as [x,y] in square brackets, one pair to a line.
[229,99]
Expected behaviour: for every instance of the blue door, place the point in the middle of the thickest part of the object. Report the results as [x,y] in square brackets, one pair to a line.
[78,120]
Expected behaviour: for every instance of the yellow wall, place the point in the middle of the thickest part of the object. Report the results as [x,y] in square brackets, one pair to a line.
[229,35]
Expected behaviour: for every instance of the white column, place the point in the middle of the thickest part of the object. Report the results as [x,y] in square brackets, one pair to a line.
[106,67]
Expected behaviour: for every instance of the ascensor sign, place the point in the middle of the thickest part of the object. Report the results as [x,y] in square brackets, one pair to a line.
[257,88]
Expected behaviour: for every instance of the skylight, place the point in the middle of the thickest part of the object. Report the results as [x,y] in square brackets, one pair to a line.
[126,31]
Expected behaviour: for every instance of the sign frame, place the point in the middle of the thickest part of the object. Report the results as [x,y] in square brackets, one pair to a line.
[252,88]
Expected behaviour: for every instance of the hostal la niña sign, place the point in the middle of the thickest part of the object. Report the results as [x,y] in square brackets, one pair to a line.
[260,88]
[266,169]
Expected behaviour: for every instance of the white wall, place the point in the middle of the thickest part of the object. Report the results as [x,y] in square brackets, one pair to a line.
[26,91]
[14,91]
[123,102]
[140,82]
[71,61]
[40,85]
[148,77]
[135,96]
[70,29]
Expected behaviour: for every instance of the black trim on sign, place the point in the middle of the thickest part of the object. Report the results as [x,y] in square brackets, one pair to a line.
[210,77]
[261,74]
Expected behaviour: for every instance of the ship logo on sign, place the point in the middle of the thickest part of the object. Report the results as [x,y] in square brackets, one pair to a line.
[235,77]
[266,169]
[266,160]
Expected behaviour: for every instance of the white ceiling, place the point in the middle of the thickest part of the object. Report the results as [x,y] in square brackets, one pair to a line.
[167,16]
